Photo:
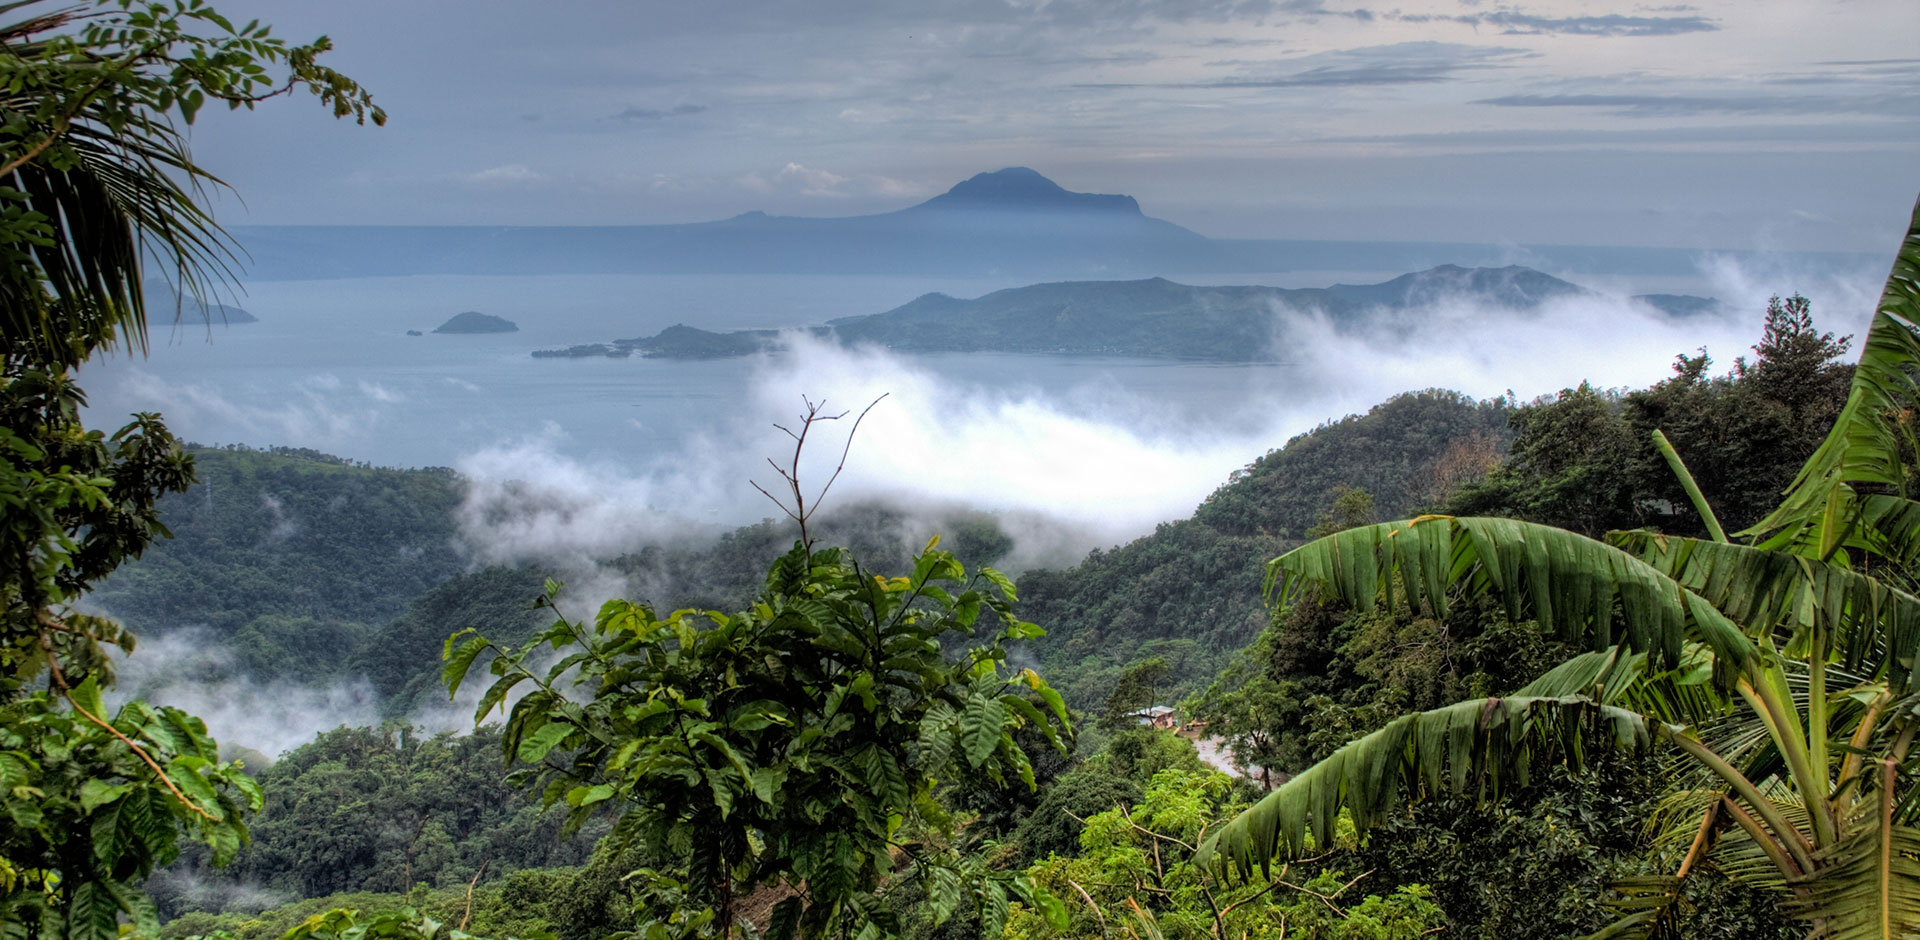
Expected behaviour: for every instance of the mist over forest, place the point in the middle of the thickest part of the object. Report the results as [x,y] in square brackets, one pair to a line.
[305,594]
[1132,453]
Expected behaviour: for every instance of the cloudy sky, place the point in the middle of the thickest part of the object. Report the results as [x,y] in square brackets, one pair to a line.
[1790,124]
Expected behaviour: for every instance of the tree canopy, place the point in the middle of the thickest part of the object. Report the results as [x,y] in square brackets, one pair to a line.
[1780,668]
[95,179]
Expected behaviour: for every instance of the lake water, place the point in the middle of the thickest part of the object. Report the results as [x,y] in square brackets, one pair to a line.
[330,366]
[1117,444]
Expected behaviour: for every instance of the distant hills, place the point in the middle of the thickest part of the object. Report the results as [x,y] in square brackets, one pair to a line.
[1152,318]
[1009,223]
[166,306]
[474,321]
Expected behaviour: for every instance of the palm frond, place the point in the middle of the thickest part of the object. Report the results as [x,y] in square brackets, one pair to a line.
[1478,747]
[1872,628]
[1569,583]
[1869,449]
[1889,527]
[1868,885]
[1649,906]
[1682,694]
[115,189]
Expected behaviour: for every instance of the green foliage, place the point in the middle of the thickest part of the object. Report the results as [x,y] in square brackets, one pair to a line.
[1351,507]
[418,915]
[1724,653]
[1572,466]
[292,534]
[1584,460]
[1409,453]
[97,176]
[1320,676]
[87,817]
[1139,687]
[1187,593]
[1135,872]
[396,660]
[1053,828]
[1137,754]
[1540,863]
[371,810]
[796,743]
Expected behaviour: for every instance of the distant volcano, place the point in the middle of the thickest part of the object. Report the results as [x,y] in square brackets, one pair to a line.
[1010,222]
[1020,189]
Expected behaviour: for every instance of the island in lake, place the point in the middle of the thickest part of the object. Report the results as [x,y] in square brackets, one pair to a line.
[585,351]
[1153,318]
[166,305]
[475,322]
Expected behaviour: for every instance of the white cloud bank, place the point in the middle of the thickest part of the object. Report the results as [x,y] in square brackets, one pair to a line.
[1097,460]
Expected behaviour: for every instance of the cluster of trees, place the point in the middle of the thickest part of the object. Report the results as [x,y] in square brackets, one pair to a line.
[1112,833]
[376,810]
[1585,460]
[96,174]
[1776,671]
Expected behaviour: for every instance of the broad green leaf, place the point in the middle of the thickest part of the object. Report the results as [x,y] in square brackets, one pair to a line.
[981,727]
[535,746]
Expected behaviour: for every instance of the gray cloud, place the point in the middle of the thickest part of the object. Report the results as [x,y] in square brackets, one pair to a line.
[1871,134]
[933,92]
[1662,105]
[1874,72]
[1856,62]
[1514,22]
[1407,63]
[1328,76]
[655,114]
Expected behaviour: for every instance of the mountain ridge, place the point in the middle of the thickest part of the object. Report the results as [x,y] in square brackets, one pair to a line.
[1008,221]
[1147,318]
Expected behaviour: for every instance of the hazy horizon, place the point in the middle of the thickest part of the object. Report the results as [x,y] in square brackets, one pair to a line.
[1703,125]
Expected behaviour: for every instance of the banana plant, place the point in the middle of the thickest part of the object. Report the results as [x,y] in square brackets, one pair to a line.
[1779,667]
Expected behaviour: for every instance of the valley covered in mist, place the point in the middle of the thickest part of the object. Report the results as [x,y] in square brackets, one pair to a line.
[626,477]
[362,493]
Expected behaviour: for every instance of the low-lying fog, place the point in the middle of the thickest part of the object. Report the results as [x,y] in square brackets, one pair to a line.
[573,460]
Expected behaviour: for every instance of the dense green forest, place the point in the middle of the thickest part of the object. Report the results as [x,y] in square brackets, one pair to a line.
[294,559]
[385,810]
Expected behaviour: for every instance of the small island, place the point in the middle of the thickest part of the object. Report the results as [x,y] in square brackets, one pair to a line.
[475,322]
[585,351]
[1680,305]
[680,341]
[166,305]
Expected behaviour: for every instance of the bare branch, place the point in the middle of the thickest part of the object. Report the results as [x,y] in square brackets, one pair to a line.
[799,511]
[849,448]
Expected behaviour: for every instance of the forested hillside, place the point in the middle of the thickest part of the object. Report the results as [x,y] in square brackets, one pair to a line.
[400,813]
[1153,318]
[1641,664]
[314,567]
[290,533]
[1186,597]
[1190,592]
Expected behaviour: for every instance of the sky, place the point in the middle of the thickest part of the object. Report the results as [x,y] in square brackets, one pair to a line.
[1733,125]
